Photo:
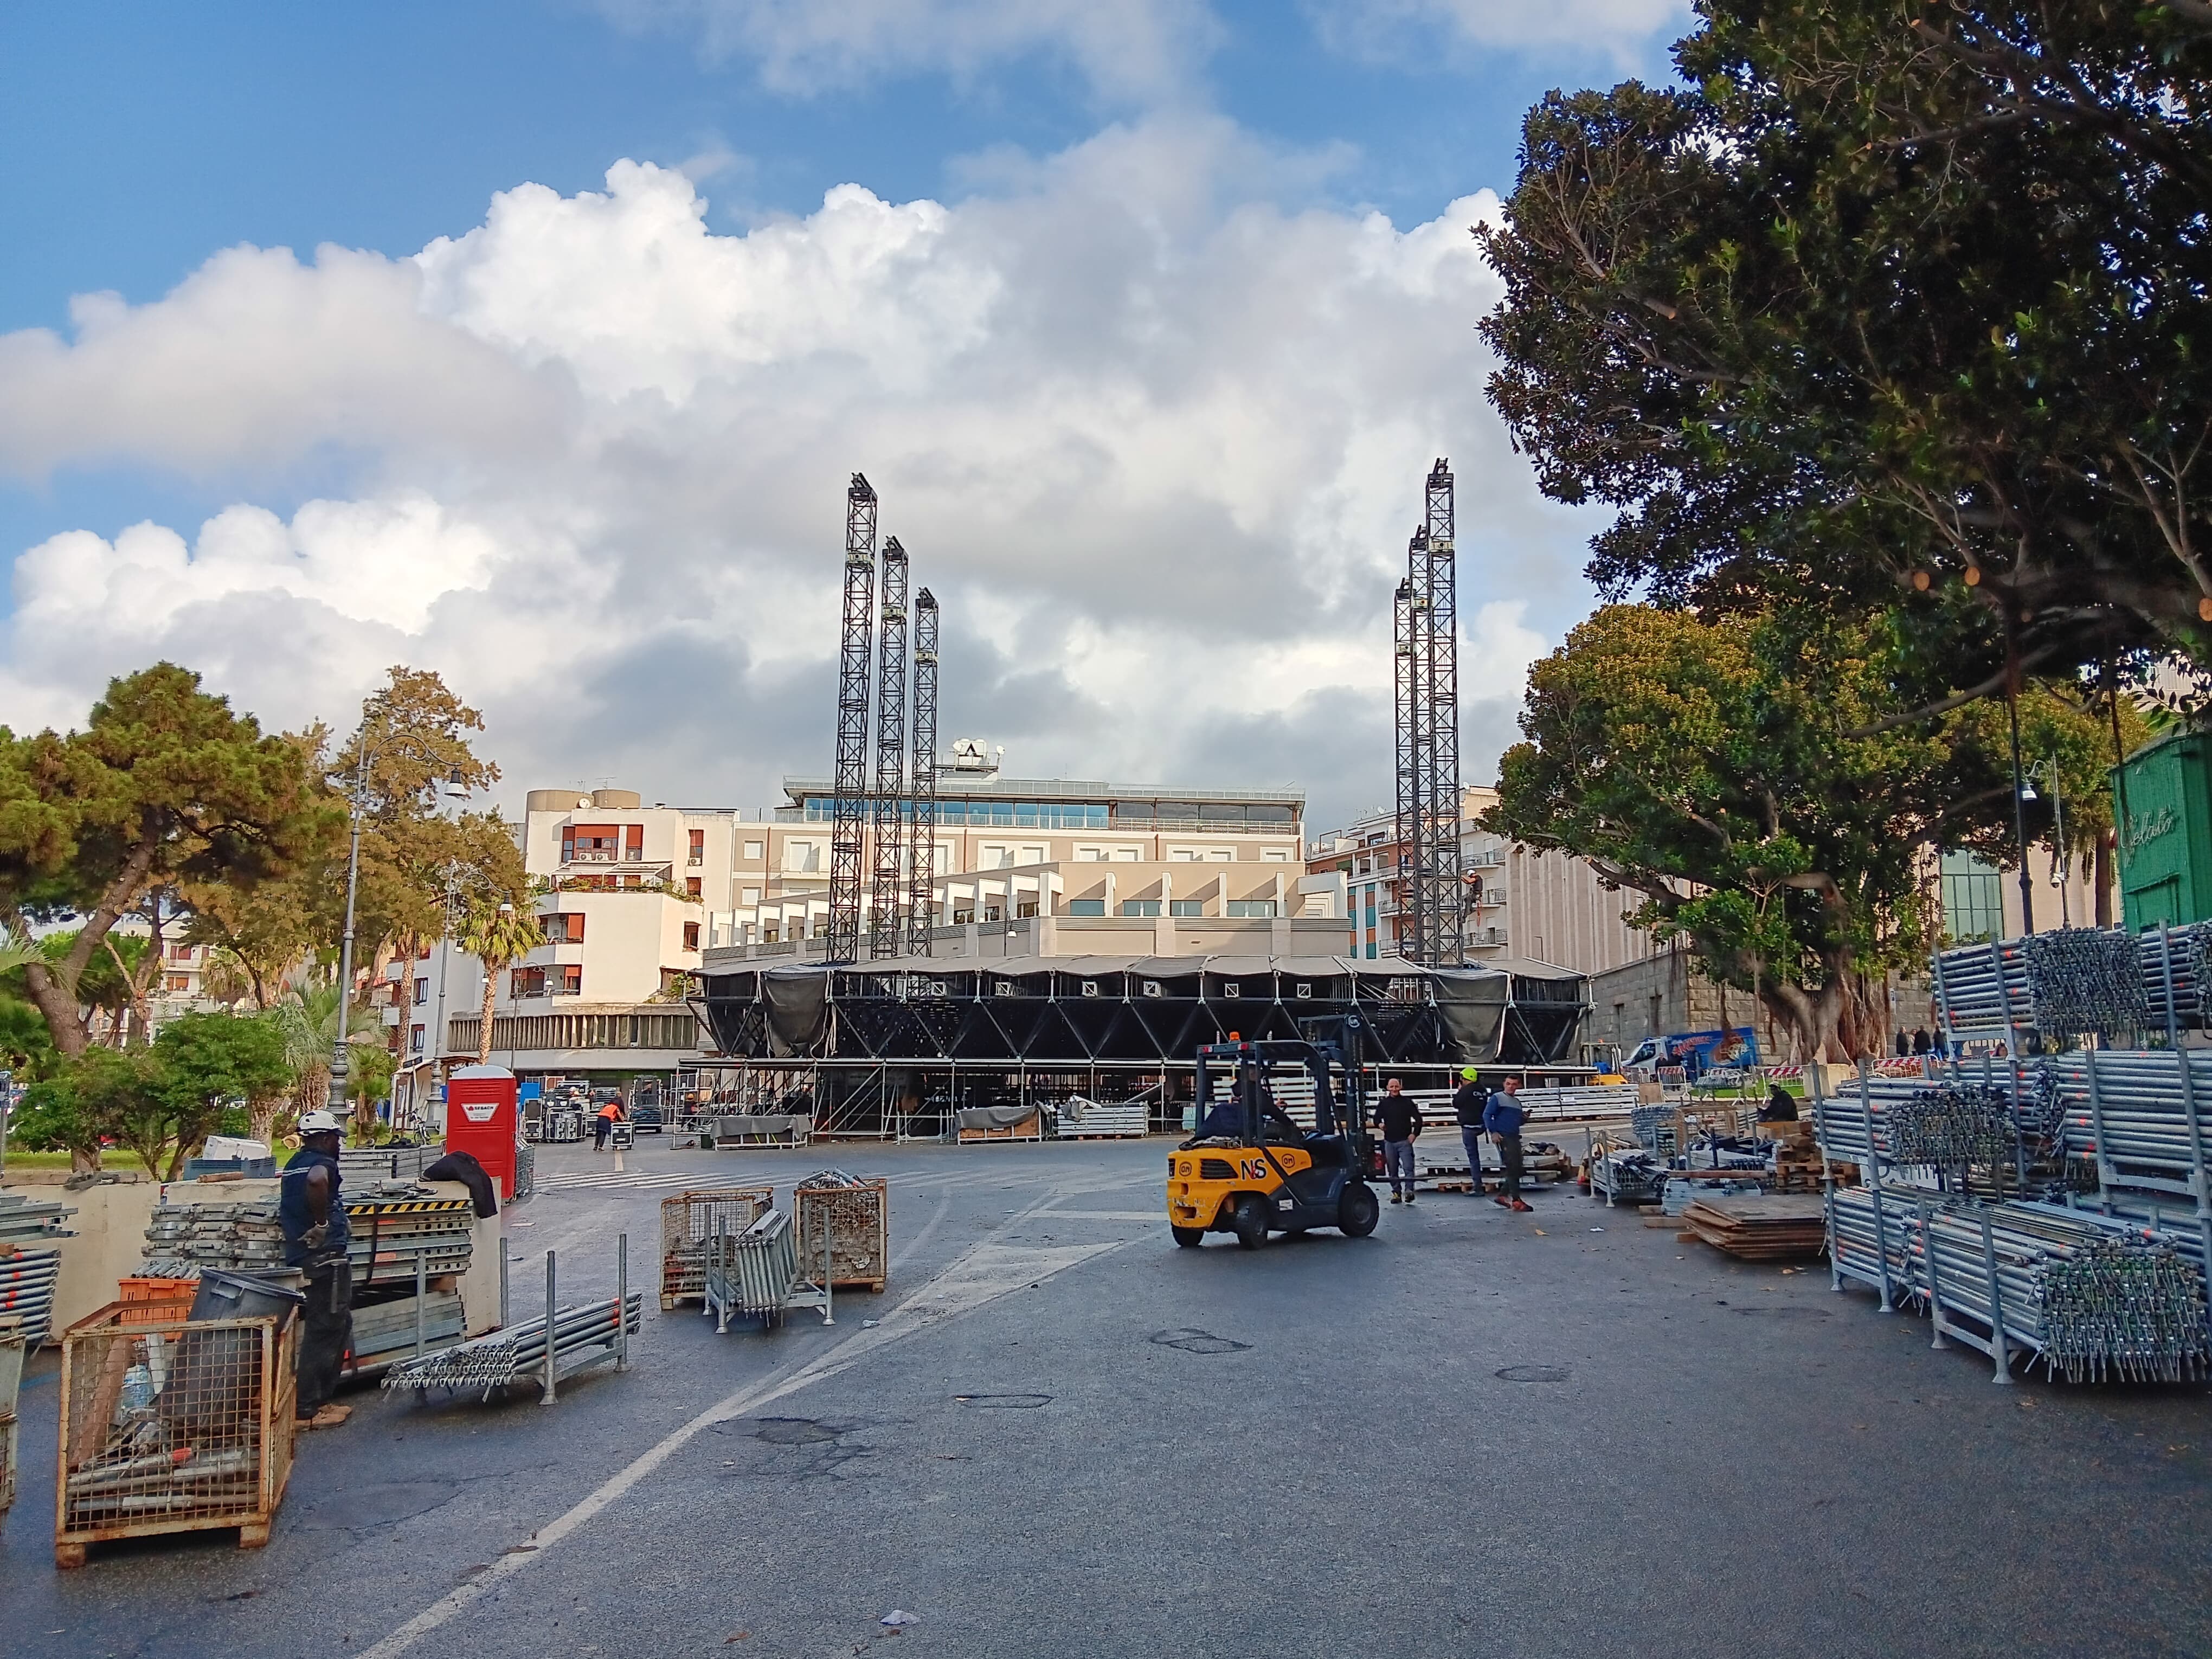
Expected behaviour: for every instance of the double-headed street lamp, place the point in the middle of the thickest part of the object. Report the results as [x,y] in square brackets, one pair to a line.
[2060,862]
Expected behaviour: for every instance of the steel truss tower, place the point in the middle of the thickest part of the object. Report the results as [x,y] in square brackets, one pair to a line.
[921,818]
[1438,865]
[1410,775]
[887,893]
[849,802]
[1432,895]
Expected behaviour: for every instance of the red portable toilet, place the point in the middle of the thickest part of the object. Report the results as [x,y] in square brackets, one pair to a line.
[480,1120]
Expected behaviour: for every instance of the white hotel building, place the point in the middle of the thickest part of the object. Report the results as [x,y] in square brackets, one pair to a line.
[635,895]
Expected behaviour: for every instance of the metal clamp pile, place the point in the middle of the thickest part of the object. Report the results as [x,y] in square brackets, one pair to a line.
[517,1354]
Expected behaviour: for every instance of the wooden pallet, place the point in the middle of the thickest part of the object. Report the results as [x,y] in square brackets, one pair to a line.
[1770,1227]
[1028,1129]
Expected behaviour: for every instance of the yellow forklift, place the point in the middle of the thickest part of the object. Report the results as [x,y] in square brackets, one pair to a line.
[1250,1170]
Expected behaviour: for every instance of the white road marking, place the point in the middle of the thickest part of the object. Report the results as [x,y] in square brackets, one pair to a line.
[985,1273]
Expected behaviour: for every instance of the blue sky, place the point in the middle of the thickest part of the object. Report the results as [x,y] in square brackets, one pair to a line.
[145,139]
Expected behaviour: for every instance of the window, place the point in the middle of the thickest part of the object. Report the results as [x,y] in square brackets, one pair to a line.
[587,843]
[1024,909]
[802,857]
[690,935]
[565,979]
[562,928]
[422,992]
[755,850]
[1185,907]
[526,982]
[691,886]
[1223,855]
[962,914]
[1973,899]
[1251,907]
[1035,854]
[180,981]
[994,913]
[1128,855]
[1091,856]
[1276,855]
[1182,855]
[633,843]
[698,853]
[771,934]
[751,896]
[1141,907]
[180,953]
[1087,906]
[415,1036]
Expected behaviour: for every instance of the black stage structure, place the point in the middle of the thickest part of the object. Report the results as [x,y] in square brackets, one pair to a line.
[895,1046]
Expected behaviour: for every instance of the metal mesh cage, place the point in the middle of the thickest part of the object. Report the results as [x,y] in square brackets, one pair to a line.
[172,1425]
[857,1214]
[689,1221]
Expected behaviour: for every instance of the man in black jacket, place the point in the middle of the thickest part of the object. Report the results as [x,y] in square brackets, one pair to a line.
[1401,1121]
[1467,1103]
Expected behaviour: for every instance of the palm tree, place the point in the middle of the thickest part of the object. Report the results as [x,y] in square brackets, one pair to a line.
[309,1017]
[498,938]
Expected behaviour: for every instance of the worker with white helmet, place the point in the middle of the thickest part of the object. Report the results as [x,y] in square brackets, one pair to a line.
[316,1237]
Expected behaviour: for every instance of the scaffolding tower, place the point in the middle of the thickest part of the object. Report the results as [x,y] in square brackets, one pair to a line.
[921,818]
[1432,889]
[887,893]
[849,801]
[1440,867]
[1410,773]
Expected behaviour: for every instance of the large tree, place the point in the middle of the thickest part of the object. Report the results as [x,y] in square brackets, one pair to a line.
[1920,290]
[1711,765]
[165,786]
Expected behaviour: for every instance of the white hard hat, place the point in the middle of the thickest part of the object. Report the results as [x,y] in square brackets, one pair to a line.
[321,1123]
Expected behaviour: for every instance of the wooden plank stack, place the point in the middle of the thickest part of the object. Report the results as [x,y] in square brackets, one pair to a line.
[1767,1227]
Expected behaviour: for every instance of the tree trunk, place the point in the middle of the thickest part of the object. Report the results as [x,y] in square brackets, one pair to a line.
[53,985]
[261,1118]
[483,1030]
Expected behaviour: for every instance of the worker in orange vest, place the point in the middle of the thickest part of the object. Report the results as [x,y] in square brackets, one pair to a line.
[609,1115]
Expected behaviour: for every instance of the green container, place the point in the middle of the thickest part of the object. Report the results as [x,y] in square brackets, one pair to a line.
[2166,831]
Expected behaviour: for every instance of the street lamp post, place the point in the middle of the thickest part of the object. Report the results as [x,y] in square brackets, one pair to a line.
[2061,864]
[345,943]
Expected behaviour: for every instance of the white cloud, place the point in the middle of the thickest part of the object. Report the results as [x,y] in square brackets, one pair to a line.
[1621,30]
[1155,443]
[1128,51]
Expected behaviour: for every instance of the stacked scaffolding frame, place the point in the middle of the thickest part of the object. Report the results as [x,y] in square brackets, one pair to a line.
[921,819]
[887,891]
[849,803]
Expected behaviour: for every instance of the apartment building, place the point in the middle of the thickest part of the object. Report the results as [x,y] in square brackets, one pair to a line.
[1523,902]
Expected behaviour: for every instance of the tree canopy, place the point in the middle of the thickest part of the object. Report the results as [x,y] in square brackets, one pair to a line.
[165,786]
[1916,290]
[1711,766]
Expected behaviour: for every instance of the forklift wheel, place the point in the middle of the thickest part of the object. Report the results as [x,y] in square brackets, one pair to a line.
[1248,1221]
[1190,1237]
[1358,1211]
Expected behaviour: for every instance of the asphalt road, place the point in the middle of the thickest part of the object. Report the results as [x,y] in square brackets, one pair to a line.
[1062,1435]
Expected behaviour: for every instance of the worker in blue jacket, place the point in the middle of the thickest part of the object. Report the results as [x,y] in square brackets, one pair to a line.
[1503,1117]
